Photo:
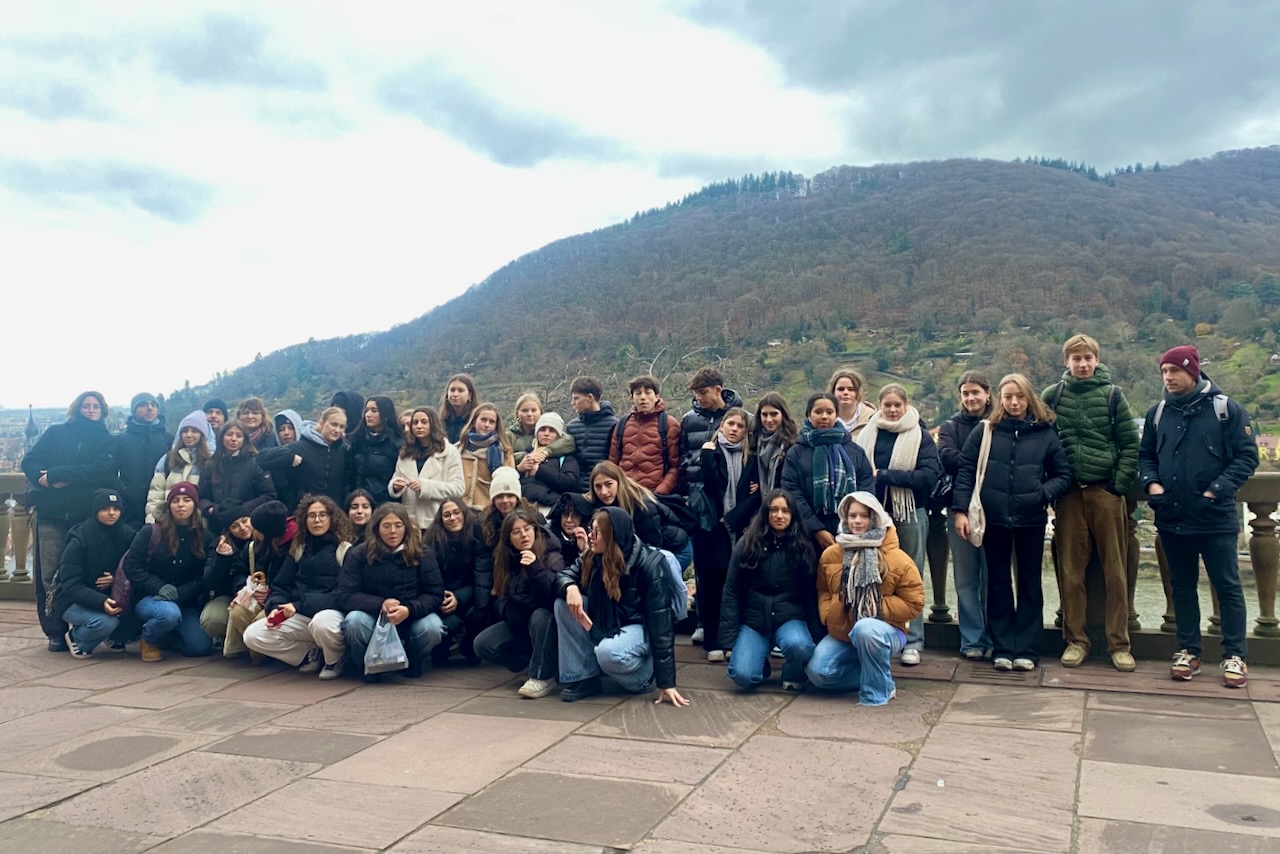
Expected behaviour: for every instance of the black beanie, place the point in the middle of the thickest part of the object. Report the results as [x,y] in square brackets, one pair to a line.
[269,519]
[216,403]
[104,498]
[228,512]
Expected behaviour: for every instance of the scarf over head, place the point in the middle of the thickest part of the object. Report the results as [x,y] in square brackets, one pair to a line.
[906,448]
[860,576]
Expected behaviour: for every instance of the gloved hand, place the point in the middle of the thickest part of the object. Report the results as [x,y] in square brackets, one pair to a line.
[168,593]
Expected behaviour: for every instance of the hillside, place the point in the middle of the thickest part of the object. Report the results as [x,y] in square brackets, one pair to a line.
[896,268]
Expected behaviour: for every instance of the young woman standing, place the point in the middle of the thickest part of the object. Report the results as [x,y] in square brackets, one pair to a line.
[773,433]
[823,467]
[260,431]
[316,464]
[375,448]
[428,471]
[189,455]
[456,405]
[847,385]
[484,447]
[233,479]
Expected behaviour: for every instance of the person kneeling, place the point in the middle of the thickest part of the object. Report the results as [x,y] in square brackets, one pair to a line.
[868,590]
[89,563]
[614,614]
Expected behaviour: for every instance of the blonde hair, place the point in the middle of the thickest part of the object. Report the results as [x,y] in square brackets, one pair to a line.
[1078,342]
[329,412]
[1036,408]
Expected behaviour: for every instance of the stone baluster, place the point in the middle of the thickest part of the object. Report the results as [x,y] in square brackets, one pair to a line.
[1264,553]
[937,549]
[1132,555]
[1168,624]
[20,532]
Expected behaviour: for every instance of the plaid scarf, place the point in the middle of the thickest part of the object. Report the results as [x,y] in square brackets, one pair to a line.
[833,472]
[860,576]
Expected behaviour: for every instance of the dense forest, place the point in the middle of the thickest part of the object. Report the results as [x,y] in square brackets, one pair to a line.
[914,271]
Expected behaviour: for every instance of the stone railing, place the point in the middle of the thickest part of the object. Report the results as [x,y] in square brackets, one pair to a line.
[14,523]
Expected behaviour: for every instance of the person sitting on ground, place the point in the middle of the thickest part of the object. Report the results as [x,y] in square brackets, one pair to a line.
[89,563]
[466,565]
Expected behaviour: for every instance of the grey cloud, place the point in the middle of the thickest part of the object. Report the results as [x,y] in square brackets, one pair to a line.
[52,101]
[161,194]
[509,136]
[227,51]
[1111,82]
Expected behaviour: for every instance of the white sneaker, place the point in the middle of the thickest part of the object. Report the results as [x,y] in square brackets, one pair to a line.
[534,689]
[696,637]
[910,657]
[1003,663]
[716,656]
[776,652]
[312,663]
[332,671]
[1023,664]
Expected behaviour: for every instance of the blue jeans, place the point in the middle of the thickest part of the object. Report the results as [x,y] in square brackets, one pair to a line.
[419,636]
[89,628]
[751,650]
[625,656]
[685,556]
[862,664]
[159,618]
[913,537]
[1183,551]
[970,565]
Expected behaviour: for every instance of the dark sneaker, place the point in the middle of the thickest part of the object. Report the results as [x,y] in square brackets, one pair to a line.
[1185,665]
[576,691]
[57,645]
[1235,673]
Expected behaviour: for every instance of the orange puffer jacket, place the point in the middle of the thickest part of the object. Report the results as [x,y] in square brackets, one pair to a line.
[901,591]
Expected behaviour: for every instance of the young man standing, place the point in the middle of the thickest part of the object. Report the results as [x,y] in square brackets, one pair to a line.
[1197,450]
[1101,440]
[646,442]
[144,441]
[591,428]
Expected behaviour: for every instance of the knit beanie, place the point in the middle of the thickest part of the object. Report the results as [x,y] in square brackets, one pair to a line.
[195,420]
[269,519]
[104,498]
[552,420]
[183,488]
[215,403]
[139,399]
[506,481]
[228,512]
[1185,357]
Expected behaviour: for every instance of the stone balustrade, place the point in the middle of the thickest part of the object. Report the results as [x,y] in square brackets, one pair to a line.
[14,523]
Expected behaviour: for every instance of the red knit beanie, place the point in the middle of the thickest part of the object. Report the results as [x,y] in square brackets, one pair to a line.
[1184,357]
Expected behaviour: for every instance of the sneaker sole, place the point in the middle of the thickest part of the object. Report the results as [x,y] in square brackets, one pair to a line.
[1185,677]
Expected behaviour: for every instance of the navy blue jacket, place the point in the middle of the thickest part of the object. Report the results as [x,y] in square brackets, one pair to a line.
[1027,470]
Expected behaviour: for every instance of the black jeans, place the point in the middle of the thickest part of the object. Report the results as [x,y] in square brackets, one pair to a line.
[51,539]
[1183,552]
[1015,629]
[538,649]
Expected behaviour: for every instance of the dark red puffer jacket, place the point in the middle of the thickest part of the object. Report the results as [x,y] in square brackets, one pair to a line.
[641,455]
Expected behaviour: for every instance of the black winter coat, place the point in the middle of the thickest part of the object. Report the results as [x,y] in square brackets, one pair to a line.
[92,549]
[184,570]
[952,434]
[1191,453]
[242,481]
[646,520]
[137,451]
[79,453]
[769,594]
[797,479]
[467,572]
[555,477]
[1027,470]
[372,461]
[323,470]
[697,426]
[921,480]
[364,586]
[309,583]
[591,432]
[529,587]
[714,471]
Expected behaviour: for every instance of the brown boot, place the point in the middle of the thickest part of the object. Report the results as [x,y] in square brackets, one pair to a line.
[151,652]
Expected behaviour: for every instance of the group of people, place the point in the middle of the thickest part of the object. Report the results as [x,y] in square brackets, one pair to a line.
[560,549]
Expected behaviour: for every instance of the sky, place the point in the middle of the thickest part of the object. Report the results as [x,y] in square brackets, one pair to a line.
[185,185]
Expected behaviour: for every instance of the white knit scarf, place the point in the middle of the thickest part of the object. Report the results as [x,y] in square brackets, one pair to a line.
[905,451]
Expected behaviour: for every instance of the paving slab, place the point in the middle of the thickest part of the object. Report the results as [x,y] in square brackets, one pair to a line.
[454,840]
[22,793]
[632,760]
[568,808]
[239,669]
[55,726]
[179,795]
[1269,718]
[481,677]
[115,671]
[906,718]
[376,709]
[612,694]
[1028,708]
[1096,836]
[11,644]
[338,813]
[215,717]
[937,667]
[547,708]
[33,631]
[1263,691]
[1191,707]
[1229,746]
[204,841]
[302,745]
[754,800]
[666,846]
[428,755]
[106,754]
[53,837]
[36,664]
[290,688]
[982,673]
[1151,677]
[712,719]
[22,700]
[896,843]
[713,677]
[1030,773]
[162,692]
[1175,797]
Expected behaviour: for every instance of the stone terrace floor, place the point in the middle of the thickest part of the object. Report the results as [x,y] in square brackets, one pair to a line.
[112,755]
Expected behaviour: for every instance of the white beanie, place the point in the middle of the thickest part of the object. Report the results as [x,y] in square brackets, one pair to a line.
[552,420]
[505,481]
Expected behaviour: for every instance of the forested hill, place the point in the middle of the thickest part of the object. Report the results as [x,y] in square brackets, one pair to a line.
[916,270]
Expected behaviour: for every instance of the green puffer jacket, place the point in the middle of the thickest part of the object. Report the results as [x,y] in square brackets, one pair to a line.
[1099,451]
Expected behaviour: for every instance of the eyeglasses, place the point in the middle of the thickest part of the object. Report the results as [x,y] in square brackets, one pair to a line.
[316,517]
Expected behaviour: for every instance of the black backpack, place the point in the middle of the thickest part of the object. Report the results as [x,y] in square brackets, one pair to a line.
[662,436]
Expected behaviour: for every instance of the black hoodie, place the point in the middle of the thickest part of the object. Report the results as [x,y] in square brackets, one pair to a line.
[137,451]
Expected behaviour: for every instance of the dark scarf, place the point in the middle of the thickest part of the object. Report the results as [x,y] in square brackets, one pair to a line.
[487,442]
[256,434]
[833,471]
[768,452]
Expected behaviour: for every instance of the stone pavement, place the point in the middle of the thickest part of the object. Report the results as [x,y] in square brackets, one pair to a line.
[191,755]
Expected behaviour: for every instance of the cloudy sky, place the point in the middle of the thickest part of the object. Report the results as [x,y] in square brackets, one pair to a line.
[184,185]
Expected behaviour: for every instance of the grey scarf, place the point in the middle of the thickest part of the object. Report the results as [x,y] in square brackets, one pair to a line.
[733,464]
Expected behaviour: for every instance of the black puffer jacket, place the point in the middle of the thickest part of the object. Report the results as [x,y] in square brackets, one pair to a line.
[1027,470]
[372,462]
[591,432]
[714,471]
[530,587]
[467,570]
[921,480]
[309,582]
[769,594]
[364,586]
[552,479]
[183,569]
[644,597]
[797,479]
[78,453]
[241,481]
[323,470]
[137,451]
[224,575]
[92,549]
[952,434]
[697,426]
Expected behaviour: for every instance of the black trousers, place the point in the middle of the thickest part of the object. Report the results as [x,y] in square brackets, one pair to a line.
[1015,627]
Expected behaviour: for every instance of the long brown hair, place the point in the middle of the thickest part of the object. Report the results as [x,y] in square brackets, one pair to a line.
[632,496]
[505,560]
[1037,409]
[787,431]
[169,531]
[468,381]
[375,549]
[199,452]
[435,441]
[74,410]
[339,524]
[612,560]
[504,437]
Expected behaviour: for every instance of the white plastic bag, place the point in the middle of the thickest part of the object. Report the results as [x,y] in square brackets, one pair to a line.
[385,653]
